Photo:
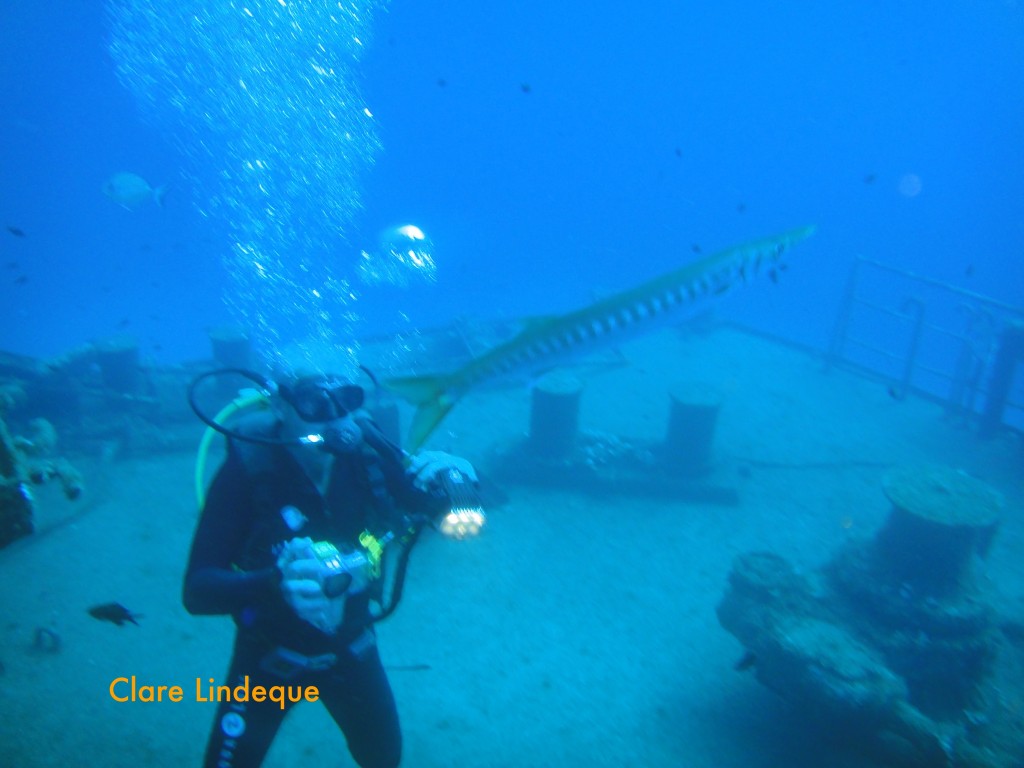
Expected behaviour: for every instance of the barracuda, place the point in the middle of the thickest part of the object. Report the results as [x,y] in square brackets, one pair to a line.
[546,342]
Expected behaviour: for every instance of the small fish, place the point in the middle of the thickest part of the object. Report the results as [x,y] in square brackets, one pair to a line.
[775,271]
[525,87]
[21,280]
[132,191]
[870,178]
[16,231]
[115,613]
[748,660]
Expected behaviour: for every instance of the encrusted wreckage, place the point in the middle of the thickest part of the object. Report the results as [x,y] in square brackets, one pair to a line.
[894,645]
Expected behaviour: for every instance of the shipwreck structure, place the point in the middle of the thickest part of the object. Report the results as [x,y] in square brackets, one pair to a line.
[894,645]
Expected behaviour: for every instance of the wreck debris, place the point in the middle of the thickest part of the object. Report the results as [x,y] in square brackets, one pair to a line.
[24,461]
[893,643]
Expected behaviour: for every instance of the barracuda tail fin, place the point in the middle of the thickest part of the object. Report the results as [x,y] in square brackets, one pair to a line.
[432,398]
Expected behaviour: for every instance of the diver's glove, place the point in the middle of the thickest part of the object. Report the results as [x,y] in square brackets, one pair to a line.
[427,466]
[302,586]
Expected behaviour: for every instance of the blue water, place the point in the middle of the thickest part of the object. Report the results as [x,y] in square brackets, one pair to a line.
[551,151]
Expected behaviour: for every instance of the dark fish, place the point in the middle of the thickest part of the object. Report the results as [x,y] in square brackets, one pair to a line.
[870,178]
[441,82]
[741,208]
[21,279]
[969,271]
[525,87]
[748,660]
[679,152]
[775,272]
[16,231]
[695,247]
[115,613]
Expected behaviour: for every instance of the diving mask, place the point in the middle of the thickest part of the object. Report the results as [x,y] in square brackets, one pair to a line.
[330,402]
[322,399]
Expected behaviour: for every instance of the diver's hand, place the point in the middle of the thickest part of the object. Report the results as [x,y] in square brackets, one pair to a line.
[301,585]
[427,466]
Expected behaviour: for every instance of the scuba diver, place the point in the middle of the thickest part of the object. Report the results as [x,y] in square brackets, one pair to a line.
[304,539]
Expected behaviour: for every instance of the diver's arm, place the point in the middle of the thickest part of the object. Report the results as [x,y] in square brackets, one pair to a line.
[212,584]
[400,481]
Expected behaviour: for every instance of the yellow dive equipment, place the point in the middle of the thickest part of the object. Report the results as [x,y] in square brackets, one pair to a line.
[374,549]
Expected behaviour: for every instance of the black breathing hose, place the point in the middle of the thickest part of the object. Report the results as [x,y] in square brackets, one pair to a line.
[262,381]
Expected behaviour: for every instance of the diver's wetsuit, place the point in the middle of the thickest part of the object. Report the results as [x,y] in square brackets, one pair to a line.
[232,569]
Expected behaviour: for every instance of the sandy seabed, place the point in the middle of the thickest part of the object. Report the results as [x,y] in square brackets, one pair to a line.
[578,630]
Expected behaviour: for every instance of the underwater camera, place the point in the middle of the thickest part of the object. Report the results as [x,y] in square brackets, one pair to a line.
[341,572]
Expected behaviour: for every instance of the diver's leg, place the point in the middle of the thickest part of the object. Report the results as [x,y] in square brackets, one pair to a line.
[243,731]
[358,696]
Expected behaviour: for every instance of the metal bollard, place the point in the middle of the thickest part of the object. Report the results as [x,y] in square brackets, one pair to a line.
[555,414]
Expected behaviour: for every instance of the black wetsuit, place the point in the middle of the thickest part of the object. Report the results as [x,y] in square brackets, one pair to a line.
[232,570]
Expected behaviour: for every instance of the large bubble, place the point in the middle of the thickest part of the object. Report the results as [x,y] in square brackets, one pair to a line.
[404,255]
[262,97]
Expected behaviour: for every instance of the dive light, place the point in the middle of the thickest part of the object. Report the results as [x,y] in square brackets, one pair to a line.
[465,516]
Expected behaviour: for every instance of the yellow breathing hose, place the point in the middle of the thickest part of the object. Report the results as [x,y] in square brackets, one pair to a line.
[247,398]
